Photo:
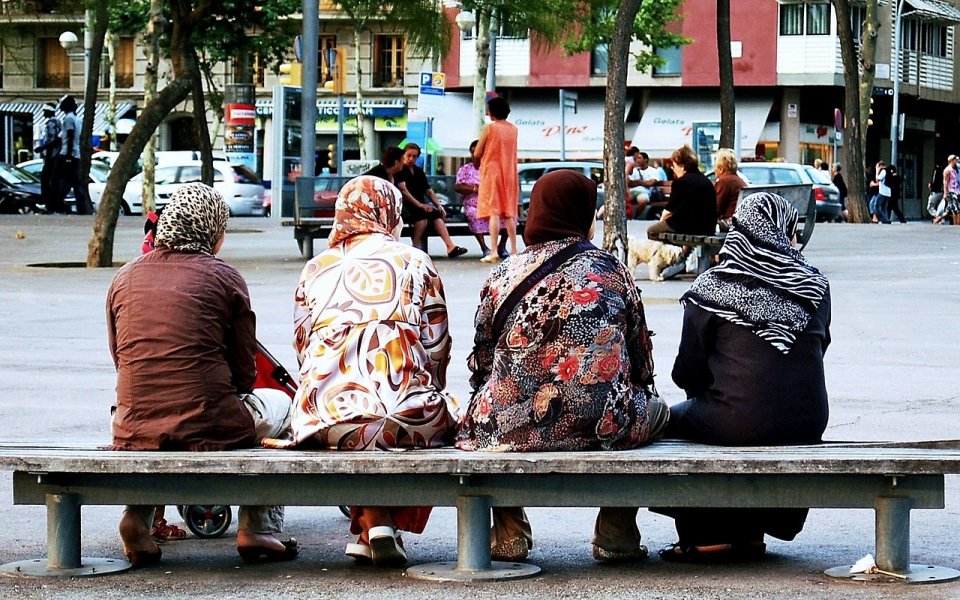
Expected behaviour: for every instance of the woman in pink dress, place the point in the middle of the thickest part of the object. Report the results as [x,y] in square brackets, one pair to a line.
[467,185]
[499,191]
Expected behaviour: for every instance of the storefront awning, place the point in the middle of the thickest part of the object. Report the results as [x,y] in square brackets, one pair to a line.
[538,127]
[668,120]
[377,107]
[99,117]
[932,10]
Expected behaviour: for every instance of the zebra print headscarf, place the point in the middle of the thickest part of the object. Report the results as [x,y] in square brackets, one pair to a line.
[762,282]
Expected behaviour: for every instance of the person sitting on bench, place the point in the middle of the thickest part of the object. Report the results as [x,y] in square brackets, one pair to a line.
[182,336]
[562,359]
[417,210]
[755,329]
[372,339]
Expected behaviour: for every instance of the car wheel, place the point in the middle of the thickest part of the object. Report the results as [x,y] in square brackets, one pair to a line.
[27,209]
[125,209]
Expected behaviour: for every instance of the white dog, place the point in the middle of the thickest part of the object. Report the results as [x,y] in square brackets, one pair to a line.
[657,255]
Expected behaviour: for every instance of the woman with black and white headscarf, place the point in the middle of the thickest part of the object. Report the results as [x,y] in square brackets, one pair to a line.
[755,329]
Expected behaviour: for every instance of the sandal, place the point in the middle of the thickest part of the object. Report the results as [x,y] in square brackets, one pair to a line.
[162,532]
[713,554]
[457,251]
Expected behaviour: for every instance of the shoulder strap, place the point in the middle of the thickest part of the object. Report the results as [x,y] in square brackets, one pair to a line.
[549,266]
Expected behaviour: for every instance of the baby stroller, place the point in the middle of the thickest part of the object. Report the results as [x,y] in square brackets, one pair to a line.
[210,521]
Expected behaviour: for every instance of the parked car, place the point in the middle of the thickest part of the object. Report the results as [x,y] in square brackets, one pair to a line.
[95,185]
[239,186]
[529,173]
[19,191]
[824,192]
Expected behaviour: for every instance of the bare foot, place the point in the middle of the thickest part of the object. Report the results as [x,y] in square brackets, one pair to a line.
[136,536]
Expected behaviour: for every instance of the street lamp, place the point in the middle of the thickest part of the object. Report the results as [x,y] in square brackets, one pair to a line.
[895,74]
[69,41]
[466,21]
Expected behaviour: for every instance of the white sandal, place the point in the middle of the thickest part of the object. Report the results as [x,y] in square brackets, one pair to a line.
[359,552]
[385,548]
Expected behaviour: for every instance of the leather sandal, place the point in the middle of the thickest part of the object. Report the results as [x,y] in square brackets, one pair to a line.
[162,532]
[253,554]
[712,554]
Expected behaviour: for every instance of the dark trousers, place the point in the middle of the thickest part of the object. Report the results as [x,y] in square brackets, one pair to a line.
[893,206]
[68,173]
[49,190]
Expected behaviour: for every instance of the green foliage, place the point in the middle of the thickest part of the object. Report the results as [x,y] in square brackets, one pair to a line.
[235,28]
[128,17]
[424,26]
[596,19]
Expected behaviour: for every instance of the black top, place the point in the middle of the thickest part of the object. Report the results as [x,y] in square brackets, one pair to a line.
[841,185]
[417,183]
[746,392]
[379,171]
[693,205]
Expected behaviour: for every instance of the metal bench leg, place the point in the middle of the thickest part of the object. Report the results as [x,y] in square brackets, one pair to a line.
[473,550]
[893,548]
[63,546]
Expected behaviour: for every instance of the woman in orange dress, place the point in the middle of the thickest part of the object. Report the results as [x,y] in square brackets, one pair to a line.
[499,193]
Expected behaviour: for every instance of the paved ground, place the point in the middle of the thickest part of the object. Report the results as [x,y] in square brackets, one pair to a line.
[890,373]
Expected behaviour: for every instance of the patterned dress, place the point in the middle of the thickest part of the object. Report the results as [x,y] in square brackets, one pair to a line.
[573,368]
[470,175]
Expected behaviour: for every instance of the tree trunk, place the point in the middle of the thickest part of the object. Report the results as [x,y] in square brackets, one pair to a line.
[853,134]
[614,181]
[357,64]
[200,124]
[480,74]
[868,66]
[92,84]
[728,115]
[113,42]
[151,41]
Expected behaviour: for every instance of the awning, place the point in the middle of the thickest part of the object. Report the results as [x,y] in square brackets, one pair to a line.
[538,127]
[388,107]
[668,120]
[932,10]
[99,116]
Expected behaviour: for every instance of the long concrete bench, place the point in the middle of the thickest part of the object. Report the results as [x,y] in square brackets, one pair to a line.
[891,479]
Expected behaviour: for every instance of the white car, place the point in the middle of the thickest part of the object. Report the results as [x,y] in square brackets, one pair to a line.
[95,185]
[239,186]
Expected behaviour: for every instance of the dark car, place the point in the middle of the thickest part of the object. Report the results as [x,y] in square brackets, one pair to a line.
[826,195]
[19,191]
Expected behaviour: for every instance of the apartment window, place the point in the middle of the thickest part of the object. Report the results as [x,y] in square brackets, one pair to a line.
[388,61]
[54,69]
[858,15]
[324,73]
[598,60]
[929,38]
[791,19]
[818,19]
[672,58]
[249,68]
[935,40]
[1,65]
[124,58]
[505,29]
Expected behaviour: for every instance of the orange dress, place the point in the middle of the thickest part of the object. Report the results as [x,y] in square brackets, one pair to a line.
[499,185]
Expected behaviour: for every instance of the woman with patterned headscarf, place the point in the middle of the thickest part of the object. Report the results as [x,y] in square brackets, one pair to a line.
[372,340]
[562,359]
[755,329]
[182,335]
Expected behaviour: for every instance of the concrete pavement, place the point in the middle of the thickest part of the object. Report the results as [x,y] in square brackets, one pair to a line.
[891,375]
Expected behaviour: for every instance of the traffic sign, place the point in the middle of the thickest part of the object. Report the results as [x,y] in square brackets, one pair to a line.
[432,89]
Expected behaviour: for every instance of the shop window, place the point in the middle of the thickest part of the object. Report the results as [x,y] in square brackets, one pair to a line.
[791,19]
[818,19]
[598,60]
[388,61]
[672,61]
[54,69]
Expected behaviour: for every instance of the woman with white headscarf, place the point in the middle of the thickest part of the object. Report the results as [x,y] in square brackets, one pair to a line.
[755,329]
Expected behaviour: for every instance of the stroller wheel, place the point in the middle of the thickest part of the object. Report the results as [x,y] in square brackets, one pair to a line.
[208,521]
[345,510]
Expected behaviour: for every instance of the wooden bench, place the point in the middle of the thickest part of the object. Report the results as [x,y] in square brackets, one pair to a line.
[891,479]
[706,246]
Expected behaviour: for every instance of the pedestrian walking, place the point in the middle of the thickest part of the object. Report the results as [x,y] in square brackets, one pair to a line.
[935,199]
[951,192]
[842,187]
[499,190]
[895,183]
[49,151]
[68,169]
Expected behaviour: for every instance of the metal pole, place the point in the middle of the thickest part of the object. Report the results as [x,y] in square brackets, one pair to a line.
[340,118]
[308,98]
[87,45]
[893,533]
[563,128]
[895,74]
[473,533]
[63,531]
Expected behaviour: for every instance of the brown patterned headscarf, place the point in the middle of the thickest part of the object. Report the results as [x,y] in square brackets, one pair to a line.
[366,204]
[193,220]
[562,205]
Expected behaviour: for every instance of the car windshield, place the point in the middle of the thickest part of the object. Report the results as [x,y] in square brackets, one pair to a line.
[817,175]
[242,174]
[14,175]
[99,171]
